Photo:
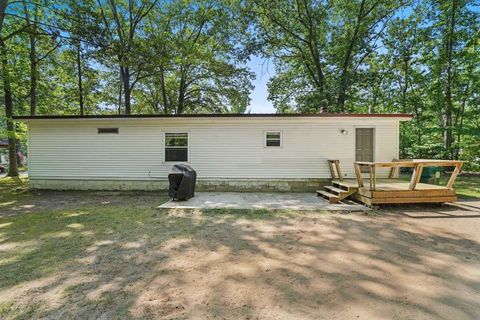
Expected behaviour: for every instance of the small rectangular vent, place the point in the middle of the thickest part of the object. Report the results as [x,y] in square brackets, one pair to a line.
[107,130]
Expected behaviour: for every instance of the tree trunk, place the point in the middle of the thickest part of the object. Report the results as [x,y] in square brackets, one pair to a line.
[448,133]
[33,76]
[80,84]
[164,91]
[33,57]
[125,72]
[3,8]
[371,107]
[342,93]
[405,83]
[120,92]
[12,146]
[181,95]
[459,121]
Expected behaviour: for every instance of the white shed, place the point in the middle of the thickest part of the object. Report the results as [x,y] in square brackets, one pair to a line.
[229,152]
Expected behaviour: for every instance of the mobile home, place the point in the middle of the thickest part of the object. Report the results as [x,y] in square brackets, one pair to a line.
[282,152]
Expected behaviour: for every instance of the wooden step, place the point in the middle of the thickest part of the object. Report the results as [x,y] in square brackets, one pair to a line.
[335,190]
[345,185]
[332,198]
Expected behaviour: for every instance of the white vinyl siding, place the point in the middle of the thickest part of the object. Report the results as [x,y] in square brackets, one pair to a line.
[217,148]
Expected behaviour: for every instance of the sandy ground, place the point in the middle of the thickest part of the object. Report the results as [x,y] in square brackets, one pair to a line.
[412,262]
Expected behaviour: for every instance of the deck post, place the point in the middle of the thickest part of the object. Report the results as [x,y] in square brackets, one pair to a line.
[332,172]
[358,174]
[454,175]
[393,170]
[339,171]
[370,175]
[417,173]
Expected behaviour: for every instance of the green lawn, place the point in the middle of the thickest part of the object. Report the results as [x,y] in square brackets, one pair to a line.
[76,225]
[465,186]
[46,240]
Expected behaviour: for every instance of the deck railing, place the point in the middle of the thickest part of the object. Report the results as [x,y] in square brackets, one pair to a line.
[335,170]
[417,166]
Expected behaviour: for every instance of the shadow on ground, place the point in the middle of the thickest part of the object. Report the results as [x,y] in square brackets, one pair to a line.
[117,256]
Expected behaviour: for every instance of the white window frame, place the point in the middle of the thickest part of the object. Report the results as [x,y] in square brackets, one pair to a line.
[165,146]
[266,132]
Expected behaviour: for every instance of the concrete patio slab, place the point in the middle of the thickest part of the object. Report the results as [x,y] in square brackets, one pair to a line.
[278,201]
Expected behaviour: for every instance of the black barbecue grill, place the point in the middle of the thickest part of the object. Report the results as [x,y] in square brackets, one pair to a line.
[182,180]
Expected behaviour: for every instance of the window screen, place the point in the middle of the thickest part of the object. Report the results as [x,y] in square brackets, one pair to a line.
[176,147]
[273,139]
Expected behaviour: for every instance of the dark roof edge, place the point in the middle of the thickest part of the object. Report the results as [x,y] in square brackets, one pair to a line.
[222,115]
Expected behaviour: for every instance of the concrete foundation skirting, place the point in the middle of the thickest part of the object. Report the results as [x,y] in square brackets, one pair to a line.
[214,185]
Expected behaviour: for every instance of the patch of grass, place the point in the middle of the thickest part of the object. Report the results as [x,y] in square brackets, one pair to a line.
[374,212]
[5,308]
[9,182]
[8,309]
[42,243]
[468,186]
[13,188]
[107,299]
[465,185]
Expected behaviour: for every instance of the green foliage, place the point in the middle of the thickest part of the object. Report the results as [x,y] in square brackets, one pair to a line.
[196,48]
[381,56]
[189,56]
[319,49]
[196,61]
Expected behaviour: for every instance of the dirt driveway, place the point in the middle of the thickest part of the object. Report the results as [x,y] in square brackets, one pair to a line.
[136,261]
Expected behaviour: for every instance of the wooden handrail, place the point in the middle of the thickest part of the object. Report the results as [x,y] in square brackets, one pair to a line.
[335,170]
[411,163]
[416,175]
[454,175]
[358,174]
[394,170]
[417,164]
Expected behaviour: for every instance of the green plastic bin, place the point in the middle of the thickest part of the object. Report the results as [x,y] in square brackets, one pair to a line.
[428,174]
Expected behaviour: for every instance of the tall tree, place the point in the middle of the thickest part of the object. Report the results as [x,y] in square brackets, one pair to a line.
[122,22]
[12,143]
[318,47]
[196,63]
[359,27]
[7,90]
[293,33]
[33,54]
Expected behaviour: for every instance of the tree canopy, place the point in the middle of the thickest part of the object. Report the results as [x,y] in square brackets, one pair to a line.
[190,56]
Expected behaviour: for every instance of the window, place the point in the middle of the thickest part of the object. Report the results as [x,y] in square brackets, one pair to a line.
[176,147]
[107,130]
[273,139]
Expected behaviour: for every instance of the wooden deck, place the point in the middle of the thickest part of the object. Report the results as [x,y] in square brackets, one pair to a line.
[390,191]
[373,191]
